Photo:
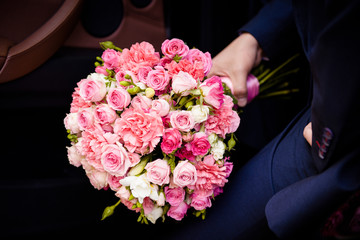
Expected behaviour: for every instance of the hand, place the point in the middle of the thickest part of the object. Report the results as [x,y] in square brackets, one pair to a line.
[236,61]
[308,133]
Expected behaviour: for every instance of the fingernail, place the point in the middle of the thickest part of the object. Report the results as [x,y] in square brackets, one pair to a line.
[242,102]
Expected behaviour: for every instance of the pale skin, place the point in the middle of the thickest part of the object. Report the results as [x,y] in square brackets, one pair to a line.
[236,61]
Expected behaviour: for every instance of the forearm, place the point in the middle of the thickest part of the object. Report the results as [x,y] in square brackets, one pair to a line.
[273,27]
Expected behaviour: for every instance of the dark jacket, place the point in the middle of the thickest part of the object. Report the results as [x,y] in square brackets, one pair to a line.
[329,32]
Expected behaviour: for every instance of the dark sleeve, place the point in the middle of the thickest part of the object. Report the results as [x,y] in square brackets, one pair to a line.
[334,63]
[273,27]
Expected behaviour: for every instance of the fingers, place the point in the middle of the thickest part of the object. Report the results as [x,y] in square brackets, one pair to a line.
[236,61]
[240,88]
[308,133]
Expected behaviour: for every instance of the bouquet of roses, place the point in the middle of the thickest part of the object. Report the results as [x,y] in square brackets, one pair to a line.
[154,129]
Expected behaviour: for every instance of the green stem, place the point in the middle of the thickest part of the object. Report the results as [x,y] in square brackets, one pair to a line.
[277,69]
[278,93]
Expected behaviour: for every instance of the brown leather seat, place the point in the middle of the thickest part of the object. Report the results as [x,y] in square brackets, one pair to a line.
[32,31]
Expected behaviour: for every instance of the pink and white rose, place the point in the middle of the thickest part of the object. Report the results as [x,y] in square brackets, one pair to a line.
[111,58]
[184,174]
[199,201]
[173,47]
[178,212]
[104,114]
[141,102]
[118,98]
[182,83]
[171,140]
[115,159]
[158,172]
[174,196]
[200,144]
[97,178]
[213,91]
[182,120]
[158,79]
[161,107]
[197,56]
[71,123]
[86,118]
[92,90]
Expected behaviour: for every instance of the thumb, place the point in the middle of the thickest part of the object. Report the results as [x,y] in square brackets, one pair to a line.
[308,133]
[240,87]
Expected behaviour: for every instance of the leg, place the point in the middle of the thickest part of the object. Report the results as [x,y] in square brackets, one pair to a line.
[239,212]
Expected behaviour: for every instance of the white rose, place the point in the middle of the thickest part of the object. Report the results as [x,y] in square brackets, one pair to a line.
[182,83]
[155,214]
[218,150]
[161,199]
[74,156]
[97,77]
[97,178]
[200,113]
[140,187]
[71,123]
[213,138]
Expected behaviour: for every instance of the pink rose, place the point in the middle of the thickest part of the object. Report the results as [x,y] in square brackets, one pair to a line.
[213,91]
[185,153]
[173,47]
[171,140]
[218,191]
[123,193]
[111,58]
[174,196]
[143,73]
[113,182]
[178,212]
[161,107]
[158,79]
[92,90]
[184,174]
[139,131]
[182,83]
[200,144]
[74,156]
[134,158]
[158,172]
[199,201]
[148,205]
[71,122]
[120,76]
[197,56]
[86,118]
[141,102]
[101,70]
[97,178]
[229,167]
[115,159]
[104,114]
[118,98]
[182,120]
